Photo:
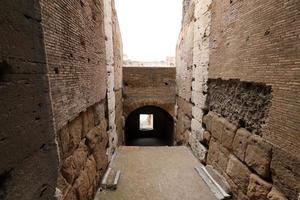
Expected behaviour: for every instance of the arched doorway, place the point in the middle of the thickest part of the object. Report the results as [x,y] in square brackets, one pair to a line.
[149,126]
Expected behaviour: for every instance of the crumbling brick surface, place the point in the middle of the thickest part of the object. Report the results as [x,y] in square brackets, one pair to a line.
[258,41]
[243,103]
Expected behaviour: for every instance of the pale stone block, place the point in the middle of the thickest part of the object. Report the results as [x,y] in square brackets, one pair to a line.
[258,155]
[238,172]
[258,188]
[199,150]
[275,195]
[240,143]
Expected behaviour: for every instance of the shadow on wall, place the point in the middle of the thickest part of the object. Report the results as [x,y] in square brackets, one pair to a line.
[149,126]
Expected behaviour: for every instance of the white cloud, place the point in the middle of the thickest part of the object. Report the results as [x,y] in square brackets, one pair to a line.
[149,28]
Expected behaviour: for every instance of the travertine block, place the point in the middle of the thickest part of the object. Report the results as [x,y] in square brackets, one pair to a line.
[240,142]
[258,155]
[238,172]
[258,188]
[274,194]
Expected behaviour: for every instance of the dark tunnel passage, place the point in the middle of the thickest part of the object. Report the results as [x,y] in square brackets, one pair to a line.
[149,126]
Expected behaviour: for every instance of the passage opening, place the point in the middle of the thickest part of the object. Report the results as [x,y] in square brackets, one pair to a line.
[146,122]
[149,126]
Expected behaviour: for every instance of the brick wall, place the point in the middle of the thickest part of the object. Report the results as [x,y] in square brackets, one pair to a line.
[258,41]
[27,134]
[55,140]
[84,60]
[148,86]
[75,50]
[248,74]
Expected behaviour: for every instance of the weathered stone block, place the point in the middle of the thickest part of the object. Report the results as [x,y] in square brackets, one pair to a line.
[242,196]
[238,172]
[258,155]
[240,142]
[213,153]
[218,155]
[75,128]
[95,135]
[228,134]
[63,186]
[71,195]
[199,150]
[99,154]
[206,137]
[258,189]
[74,163]
[85,181]
[285,172]
[99,113]
[275,195]
[88,121]
[217,126]
[207,120]
[223,159]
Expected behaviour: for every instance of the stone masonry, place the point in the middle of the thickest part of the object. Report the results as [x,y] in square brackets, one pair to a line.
[63,59]
[241,110]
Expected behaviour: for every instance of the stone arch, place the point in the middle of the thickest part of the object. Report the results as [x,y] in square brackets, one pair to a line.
[170,108]
[161,134]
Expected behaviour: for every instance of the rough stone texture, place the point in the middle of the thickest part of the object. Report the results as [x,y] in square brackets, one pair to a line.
[29,157]
[258,189]
[252,44]
[257,41]
[192,60]
[285,172]
[53,74]
[239,173]
[183,125]
[258,155]
[218,156]
[242,103]
[274,194]
[85,159]
[149,86]
[198,149]
[206,137]
[240,143]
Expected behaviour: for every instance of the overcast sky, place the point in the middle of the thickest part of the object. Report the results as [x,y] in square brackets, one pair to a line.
[149,28]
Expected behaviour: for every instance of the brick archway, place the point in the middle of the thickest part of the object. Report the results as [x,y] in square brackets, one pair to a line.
[149,102]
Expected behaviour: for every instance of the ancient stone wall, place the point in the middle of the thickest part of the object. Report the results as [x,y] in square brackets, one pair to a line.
[258,42]
[118,71]
[75,50]
[83,145]
[245,159]
[244,70]
[28,153]
[57,108]
[149,86]
[192,63]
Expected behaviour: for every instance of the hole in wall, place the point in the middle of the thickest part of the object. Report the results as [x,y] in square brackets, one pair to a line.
[4,179]
[5,69]
[56,70]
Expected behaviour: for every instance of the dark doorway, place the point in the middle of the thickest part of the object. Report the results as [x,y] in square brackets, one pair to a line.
[149,126]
